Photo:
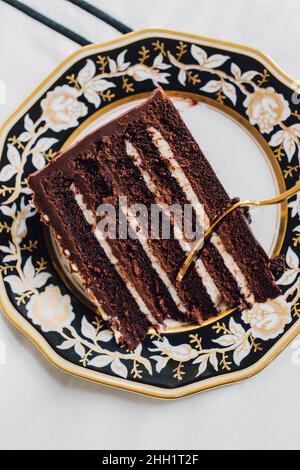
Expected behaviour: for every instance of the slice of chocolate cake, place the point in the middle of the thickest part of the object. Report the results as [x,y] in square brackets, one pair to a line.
[149,158]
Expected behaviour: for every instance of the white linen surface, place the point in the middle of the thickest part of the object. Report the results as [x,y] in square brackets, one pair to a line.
[41,407]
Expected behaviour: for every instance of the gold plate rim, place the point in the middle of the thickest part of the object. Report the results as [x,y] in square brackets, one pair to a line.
[15,318]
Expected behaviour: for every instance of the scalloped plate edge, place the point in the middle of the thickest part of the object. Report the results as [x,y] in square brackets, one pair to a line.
[13,315]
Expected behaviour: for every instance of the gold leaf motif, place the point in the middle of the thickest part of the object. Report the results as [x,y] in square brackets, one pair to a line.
[14,141]
[264,78]
[221,328]
[72,80]
[6,268]
[144,54]
[135,371]
[107,95]
[4,190]
[23,297]
[4,227]
[86,358]
[194,339]
[220,97]
[193,77]
[31,246]
[279,153]
[98,323]
[290,170]
[181,50]
[41,265]
[296,114]
[296,239]
[49,155]
[127,86]
[102,63]
[159,46]
[179,372]
[296,310]
[255,345]
[225,363]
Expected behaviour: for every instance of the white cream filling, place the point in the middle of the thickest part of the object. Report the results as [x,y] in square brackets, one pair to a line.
[166,152]
[88,214]
[210,285]
[233,268]
[178,174]
[206,278]
[108,251]
[154,262]
[201,270]
[100,236]
[104,315]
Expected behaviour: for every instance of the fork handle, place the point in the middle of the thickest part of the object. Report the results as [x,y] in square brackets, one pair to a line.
[281,197]
[265,202]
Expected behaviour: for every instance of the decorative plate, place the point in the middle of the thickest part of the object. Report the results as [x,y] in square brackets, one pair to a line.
[245,113]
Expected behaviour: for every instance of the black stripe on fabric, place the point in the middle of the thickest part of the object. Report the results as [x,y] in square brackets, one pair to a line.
[48,22]
[121,27]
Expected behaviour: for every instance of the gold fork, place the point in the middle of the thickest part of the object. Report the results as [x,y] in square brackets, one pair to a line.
[200,243]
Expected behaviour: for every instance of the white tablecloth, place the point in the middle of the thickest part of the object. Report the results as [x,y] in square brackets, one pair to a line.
[41,407]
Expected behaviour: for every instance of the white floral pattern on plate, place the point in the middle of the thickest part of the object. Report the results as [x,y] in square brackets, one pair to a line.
[79,93]
[267,321]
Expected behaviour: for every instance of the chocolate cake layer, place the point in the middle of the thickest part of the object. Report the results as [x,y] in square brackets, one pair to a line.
[172,188]
[89,259]
[133,260]
[234,233]
[126,179]
[149,156]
